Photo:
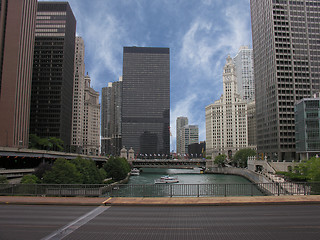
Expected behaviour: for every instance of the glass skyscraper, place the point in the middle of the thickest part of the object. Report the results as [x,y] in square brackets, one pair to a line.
[286,36]
[146,100]
[53,72]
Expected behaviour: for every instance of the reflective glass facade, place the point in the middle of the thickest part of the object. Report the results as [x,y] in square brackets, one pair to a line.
[307,120]
[146,100]
[53,72]
[285,37]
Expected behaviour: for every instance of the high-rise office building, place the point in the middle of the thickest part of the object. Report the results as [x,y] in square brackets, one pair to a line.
[146,100]
[78,97]
[91,120]
[244,72]
[307,120]
[180,123]
[17,23]
[189,135]
[53,72]
[286,39]
[226,118]
[111,101]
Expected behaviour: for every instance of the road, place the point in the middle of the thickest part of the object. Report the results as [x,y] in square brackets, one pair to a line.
[160,222]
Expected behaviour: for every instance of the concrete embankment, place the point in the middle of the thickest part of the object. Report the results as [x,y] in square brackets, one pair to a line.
[251,176]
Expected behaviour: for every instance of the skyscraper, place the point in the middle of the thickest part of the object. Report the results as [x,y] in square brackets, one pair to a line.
[180,123]
[17,23]
[78,97]
[244,72]
[226,118]
[53,72]
[189,135]
[146,100]
[91,120]
[111,100]
[286,39]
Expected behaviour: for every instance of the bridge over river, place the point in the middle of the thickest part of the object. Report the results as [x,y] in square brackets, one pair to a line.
[169,163]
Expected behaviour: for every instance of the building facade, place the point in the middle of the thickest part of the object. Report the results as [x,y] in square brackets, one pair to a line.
[252,125]
[146,100]
[17,29]
[111,102]
[91,120]
[244,72]
[189,135]
[226,118]
[286,39]
[307,127]
[197,150]
[78,97]
[180,123]
[53,72]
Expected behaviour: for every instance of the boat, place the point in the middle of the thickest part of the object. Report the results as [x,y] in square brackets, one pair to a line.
[166,179]
[135,172]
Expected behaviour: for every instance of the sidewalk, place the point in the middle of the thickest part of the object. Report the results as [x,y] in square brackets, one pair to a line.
[149,201]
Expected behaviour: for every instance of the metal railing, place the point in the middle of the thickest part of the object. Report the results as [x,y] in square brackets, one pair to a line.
[160,190]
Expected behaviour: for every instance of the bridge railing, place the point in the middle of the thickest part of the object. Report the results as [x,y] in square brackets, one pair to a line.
[160,190]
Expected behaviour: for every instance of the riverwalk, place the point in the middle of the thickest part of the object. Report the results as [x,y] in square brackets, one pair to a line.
[162,201]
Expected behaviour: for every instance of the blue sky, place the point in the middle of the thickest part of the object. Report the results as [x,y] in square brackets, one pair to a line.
[199,33]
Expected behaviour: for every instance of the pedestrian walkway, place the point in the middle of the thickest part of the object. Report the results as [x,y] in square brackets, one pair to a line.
[166,201]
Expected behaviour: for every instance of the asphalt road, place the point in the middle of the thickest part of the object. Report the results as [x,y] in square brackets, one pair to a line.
[160,222]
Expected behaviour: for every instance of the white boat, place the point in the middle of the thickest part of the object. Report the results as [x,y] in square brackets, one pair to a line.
[166,179]
[135,172]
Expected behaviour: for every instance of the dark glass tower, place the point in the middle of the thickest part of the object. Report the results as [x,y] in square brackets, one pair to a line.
[53,68]
[146,100]
[286,38]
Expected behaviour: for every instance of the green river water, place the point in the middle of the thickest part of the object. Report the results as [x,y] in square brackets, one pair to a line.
[191,183]
[185,176]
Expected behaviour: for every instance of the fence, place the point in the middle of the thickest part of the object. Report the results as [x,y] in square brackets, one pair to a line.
[160,190]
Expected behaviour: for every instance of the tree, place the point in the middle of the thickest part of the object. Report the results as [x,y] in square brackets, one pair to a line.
[220,160]
[3,179]
[57,144]
[41,169]
[310,169]
[90,174]
[29,179]
[117,168]
[62,172]
[241,157]
[52,143]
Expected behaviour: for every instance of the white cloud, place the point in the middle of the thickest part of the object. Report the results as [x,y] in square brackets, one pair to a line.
[205,46]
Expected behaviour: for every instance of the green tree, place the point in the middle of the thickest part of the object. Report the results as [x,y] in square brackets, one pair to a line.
[241,157]
[220,160]
[57,144]
[41,169]
[30,179]
[310,169]
[62,172]
[3,179]
[90,174]
[117,168]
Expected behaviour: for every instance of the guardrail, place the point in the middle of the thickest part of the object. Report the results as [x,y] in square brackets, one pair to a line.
[160,190]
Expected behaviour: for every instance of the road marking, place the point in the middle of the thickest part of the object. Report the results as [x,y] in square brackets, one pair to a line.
[66,230]
[106,201]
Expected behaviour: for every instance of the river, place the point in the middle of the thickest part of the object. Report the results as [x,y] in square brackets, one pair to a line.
[185,176]
[191,183]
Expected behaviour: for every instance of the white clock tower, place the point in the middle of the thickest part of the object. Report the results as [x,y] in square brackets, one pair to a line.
[226,118]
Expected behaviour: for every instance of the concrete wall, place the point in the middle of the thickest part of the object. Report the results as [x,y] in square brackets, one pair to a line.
[250,175]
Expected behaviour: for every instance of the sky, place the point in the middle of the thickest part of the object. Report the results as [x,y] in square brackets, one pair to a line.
[200,35]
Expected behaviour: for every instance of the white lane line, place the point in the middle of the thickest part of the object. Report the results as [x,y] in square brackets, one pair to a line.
[71,227]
